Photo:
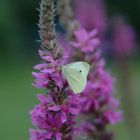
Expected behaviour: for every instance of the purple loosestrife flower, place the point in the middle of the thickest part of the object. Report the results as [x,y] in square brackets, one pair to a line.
[70,107]
[124,38]
[87,42]
[51,119]
[54,117]
[49,74]
[91,14]
[99,105]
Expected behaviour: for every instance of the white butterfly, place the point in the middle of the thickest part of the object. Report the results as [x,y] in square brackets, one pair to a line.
[76,74]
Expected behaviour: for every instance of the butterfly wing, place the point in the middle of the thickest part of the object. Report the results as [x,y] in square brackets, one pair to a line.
[76,82]
[76,75]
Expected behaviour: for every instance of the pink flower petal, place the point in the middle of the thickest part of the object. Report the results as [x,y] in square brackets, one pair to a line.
[58,136]
[81,35]
[40,66]
[48,71]
[74,44]
[74,111]
[95,42]
[93,33]
[44,99]
[63,117]
[37,75]
[49,135]
[55,108]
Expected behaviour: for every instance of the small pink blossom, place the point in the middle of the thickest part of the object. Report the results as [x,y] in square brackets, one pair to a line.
[72,107]
[48,72]
[113,117]
[48,123]
[87,42]
[50,117]
[39,134]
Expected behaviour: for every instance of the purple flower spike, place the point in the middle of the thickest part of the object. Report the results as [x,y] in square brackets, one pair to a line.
[99,107]
[124,38]
[92,14]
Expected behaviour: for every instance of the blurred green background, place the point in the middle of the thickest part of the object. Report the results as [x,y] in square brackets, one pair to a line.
[18,54]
